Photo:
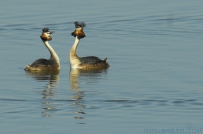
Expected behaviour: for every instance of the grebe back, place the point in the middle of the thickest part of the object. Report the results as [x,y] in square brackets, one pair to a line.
[89,62]
[45,64]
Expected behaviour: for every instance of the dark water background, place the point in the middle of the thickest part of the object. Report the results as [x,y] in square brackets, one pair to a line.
[154,84]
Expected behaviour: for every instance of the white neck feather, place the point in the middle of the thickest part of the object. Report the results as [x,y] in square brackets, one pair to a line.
[74,60]
[54,56]
[74,47]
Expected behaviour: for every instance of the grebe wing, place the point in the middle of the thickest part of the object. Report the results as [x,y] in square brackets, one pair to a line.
[41,62]
[90,60]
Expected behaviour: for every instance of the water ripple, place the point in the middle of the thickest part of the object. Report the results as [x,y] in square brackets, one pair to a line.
[153,102]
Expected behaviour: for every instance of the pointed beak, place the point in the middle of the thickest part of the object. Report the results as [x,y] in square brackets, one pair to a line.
[52,32]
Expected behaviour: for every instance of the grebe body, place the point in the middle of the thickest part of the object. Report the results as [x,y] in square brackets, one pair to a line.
[89,62]
[45,64]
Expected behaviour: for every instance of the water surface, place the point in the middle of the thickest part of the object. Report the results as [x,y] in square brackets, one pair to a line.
[153,85]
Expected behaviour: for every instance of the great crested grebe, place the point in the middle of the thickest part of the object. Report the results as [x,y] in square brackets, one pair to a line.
[45,64]
[89,62]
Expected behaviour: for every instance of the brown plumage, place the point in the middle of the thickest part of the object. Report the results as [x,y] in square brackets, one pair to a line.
[89,62]
[79,30]
[45,64]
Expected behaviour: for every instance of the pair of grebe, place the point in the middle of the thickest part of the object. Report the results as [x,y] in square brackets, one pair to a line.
[86,63]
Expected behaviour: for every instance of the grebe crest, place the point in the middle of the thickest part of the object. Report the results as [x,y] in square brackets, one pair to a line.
[79,30]
[86,63]
[51,64]
[46,34]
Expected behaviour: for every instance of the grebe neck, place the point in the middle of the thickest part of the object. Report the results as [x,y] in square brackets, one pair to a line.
[74,59]
[74,47]
[54,56]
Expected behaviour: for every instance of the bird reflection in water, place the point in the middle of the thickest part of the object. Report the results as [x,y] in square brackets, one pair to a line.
[48,93]
[77,75]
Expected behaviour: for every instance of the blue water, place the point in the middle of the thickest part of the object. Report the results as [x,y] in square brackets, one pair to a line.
[154,83]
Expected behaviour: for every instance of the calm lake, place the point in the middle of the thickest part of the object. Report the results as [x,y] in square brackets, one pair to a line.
[154,83]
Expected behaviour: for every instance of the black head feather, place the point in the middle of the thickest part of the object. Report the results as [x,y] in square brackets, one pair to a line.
[44,30]
[79,24]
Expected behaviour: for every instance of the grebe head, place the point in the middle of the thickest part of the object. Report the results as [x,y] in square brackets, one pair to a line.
[79,30]
[46,34]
